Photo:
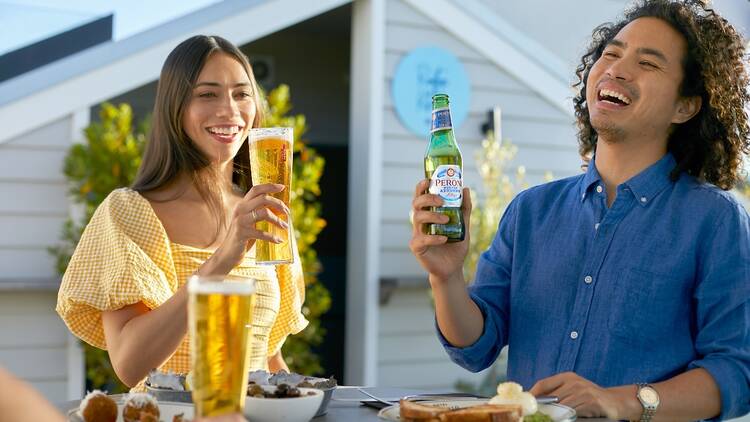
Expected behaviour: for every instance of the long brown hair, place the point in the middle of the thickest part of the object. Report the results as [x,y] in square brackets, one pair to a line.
[169,151]
[709,146]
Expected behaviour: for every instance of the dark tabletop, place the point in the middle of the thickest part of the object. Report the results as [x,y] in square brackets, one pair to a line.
[345,406]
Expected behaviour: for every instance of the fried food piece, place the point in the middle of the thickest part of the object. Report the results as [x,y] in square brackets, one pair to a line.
[140,407]
[97,406]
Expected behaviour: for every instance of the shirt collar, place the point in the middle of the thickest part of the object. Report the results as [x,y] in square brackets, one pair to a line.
[648,183]
[644,186]
[590,178]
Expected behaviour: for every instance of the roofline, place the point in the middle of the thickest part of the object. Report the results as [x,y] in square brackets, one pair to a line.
[82,80]
[504,54]
[527,45]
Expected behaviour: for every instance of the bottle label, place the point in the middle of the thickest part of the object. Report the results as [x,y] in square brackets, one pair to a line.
[447,182]
[441,119]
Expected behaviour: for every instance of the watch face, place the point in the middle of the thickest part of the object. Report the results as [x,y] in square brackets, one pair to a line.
[649,396]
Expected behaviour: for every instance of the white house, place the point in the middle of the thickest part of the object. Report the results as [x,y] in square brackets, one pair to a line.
[342,56]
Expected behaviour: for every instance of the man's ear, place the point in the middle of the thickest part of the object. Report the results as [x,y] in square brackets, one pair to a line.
[687,107]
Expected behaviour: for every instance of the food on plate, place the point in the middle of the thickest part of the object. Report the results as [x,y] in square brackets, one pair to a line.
[140,407]
[181,382]
[262,377]
[282,391]
[512,393]
[410,411]
[538,417]
[510,404]
[167,380]
[97,406]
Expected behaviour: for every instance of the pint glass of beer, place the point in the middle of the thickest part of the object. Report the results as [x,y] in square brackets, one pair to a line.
[271,162]
[220,314]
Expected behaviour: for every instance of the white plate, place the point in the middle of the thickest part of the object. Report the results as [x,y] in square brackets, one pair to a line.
[167,410]
[558,412]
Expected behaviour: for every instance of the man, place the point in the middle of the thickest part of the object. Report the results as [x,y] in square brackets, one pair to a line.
[624,291]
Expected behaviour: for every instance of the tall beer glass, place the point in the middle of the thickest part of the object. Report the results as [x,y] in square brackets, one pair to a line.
[220,314]
[271,162]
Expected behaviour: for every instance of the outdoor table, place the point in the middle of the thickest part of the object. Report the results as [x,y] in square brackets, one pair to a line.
[345,405]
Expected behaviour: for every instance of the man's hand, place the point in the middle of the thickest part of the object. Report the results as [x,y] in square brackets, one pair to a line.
[588,399]
[442,260]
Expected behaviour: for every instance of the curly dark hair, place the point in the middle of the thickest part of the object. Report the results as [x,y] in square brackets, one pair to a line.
[709,146]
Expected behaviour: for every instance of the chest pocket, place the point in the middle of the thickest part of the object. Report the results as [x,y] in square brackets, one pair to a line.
[649,308]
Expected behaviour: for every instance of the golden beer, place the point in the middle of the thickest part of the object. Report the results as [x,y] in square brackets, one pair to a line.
[220,314]
[271,162]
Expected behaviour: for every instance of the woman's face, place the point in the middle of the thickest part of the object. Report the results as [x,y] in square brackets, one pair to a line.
[221,108]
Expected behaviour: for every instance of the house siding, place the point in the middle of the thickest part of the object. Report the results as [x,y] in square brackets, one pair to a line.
[35,345]
[409,354]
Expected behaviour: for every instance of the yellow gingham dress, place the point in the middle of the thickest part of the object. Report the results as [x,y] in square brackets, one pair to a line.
[125,257]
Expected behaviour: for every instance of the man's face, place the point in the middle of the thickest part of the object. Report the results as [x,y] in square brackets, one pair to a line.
[632,91]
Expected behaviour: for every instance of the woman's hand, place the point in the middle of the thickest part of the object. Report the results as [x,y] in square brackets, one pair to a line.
[257,205]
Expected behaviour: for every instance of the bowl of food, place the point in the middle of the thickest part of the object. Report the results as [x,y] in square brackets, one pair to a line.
[168,386]
[282,403]
[327,385]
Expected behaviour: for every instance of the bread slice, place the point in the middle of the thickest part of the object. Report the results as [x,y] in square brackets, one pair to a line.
[410,411]
[485,413]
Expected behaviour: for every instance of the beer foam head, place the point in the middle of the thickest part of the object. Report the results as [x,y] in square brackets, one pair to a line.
[285,133]
[221,285]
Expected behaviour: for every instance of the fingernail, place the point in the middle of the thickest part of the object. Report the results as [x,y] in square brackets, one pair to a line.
[278,239]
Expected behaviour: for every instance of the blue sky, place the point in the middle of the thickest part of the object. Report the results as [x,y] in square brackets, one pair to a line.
[50,17]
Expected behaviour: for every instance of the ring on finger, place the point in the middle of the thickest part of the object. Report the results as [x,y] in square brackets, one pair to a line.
[254,216]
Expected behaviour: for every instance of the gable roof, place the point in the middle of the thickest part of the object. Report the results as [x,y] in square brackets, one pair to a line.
[520,56]
[92,76]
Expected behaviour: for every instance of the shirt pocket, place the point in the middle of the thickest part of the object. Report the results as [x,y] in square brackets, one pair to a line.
[648,308]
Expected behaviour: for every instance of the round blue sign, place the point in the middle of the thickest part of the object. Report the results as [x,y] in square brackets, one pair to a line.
[422,73]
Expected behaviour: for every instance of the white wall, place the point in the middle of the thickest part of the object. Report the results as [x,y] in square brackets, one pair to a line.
[36,346]
[409,353]
[34,203]
[34,343]
[544,135]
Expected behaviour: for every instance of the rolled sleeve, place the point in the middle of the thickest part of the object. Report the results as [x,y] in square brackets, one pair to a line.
[490,292]
[722,297]
[732,380]
[483,352]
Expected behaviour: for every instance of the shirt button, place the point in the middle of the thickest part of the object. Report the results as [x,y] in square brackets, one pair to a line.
[643,199]
[574,335]
[588,279]
[596,226]
[599,189]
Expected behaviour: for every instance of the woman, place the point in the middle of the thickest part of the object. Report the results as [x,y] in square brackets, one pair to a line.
[191,210]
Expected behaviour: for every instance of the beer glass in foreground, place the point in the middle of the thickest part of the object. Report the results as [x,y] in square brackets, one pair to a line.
[271,162]
[220,314]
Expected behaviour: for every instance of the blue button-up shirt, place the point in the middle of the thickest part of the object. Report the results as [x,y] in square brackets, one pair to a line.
[656,284]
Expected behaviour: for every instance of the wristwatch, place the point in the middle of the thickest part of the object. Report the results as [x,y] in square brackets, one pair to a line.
[649,399]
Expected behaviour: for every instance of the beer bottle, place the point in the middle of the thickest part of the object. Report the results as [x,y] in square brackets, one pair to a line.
[444,167]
